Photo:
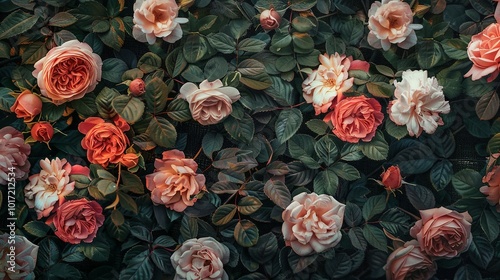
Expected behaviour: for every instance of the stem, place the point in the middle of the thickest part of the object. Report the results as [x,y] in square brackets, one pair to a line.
[117,199]
[409,213]
[198,153]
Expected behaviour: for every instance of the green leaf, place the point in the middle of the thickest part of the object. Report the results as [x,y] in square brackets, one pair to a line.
[106,187]
[63,270]
[396,131]
[358,241]
[113,69]
[375,237]
[455,48]
[281,91]
[487,106]
[395,222]
[222,42]
[52,112]
[37,228]
[345,171]
[195,48]
[224,214]
[175,62]
[206,23]
[353,215]
[281,40]
[246,233]
[240,130]
[251,45]
[104,102]
[278,193]
[326,149]
[380,89]
[376,149]
[253,74]
[162,132]
[373,206]
[467,272]
[139,268]
[335,44]
[129,108]
[62,19]
[318,126]
[352,31]
[300,145]
[85,106]
[302,5]
[420,197]
[131,183]
[48,253]
[340,267]
[34,52]
[161,258]
[149,62]
[265,249]
[441,174]
[302,42]
[287,124]
[156,95]
[248,205]
[97,251]
[212,142]
[114,7]
[467,183]
[16,23]
[115,36]
[72,253]
[481,251]
[415,159]
[216,68]
[326,182]
[189,227]
[298,263]
[178,110]
[6,99]
[429,53]
[489,224]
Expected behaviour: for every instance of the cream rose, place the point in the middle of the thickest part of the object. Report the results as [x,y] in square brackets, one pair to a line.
[418,102]
[157,19]
[22,262]
[210,103]
[49,186]
[13,155]
[409,262]
[312,223]
[68,72]
[390,22]
[442,232]
[201,258]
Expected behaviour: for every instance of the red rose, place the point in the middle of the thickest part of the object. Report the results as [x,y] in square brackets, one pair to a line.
[391,178]
[137,87]
[42,131]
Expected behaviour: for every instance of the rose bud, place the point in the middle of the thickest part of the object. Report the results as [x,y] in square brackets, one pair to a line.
[137,87]
[391,178]
[270,19]
[42,131]
[27,106]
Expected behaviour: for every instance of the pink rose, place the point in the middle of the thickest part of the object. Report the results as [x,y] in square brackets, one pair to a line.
[356,118]
[409,262]
[175,182]
[157,19]
[483,51]
[390,22]
[27,106]
[391,178]
[210,103]
[21,256]
[312,223]
[42,131]
[443,233]
[49,186]
[78,220]
[201,258]
[68,72]
[270,19]
[13,155]
[137,87]
[492,189]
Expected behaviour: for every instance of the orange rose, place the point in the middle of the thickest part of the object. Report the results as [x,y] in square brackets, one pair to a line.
[105,143]
[130,160]
[270,19]
[68,72]
[42,131]
[391,178]
[137,87]
[442,232]
[356,118]
[27,106]
[78,220]
[492,189]
[175,182]
[409,262]
[484,52]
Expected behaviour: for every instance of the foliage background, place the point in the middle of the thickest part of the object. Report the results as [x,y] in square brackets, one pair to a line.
[270,148]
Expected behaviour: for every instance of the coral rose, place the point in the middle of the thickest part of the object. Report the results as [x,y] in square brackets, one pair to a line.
[13,155]
[137,87]
[17,260]
[201,258]
[27,106]
[175,182]
[270,19]
[157,18]
[312,223]
[391,178]
[356,118]
[42,131]
[78,220]
[390,22]
[418,102]
[210,103]
[484,52]
[49,186]
[442,232]
[105,142]
[409,262]
[328,82]
[68,72]
[492,189]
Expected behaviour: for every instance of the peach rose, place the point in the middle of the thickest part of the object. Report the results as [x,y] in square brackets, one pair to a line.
[17,260]
[312,223]
[270,19]
[210,103]
[13,155]
[68,72]
[42,131]
[27,106]
[492,189]
[157,18]
[409,262]
[49,186]
[356,118]
[175,182]
[328,82]
[105,142]
[484,52]
[391,178]
[130,160]
[442,232]
[390,22]
[137,87]
[418,102]
[78,220]
[201,258]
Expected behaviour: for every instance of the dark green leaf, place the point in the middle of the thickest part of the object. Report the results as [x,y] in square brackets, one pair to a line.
[353,215]
[441,174]
[326,182]
[212,142]
[149,62]
[156,95]
[467,272]
[375,237]
[48,253]
[112,69]
[345,171]
[16,23]
[128,107]
[357,238]
[139,268]
[481,251]
[489,224]
[420,197]
[162,132]
[278,192]
[246,233]
[376,149]
[287,124]
[253,74]
[224,214]
[248,205]
[62,19]
[373,206]
[195,48]
[240,130]
[37,228]
[265,249]
[467,183]
[326,149]
[429,53]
